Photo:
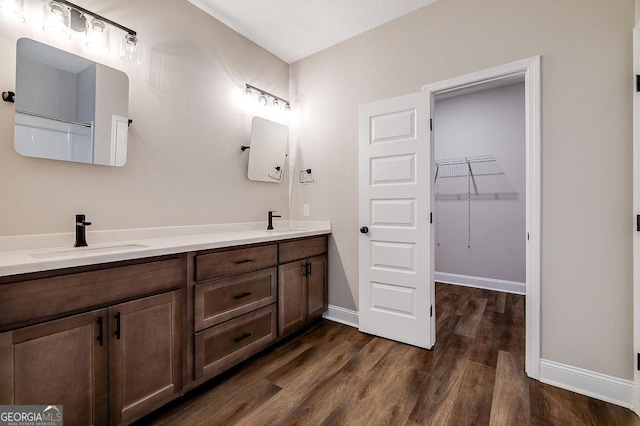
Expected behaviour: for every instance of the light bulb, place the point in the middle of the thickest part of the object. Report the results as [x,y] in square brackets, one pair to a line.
[262,99]
[12,9]
[97,35]
[56,19]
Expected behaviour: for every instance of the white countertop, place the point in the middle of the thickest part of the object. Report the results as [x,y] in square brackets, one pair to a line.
[34,253]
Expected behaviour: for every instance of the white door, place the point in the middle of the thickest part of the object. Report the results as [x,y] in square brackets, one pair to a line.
[119,134]
[396,278]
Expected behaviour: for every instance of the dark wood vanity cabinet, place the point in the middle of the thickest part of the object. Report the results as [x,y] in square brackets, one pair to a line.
[113,342]
[302,284]
[248,297]
[109,365]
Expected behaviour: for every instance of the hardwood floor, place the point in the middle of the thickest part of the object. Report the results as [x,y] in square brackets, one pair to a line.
[334,375]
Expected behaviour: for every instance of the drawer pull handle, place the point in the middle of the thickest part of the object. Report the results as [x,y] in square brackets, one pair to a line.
[241,338]
[240,262]
[241,296]
[100,332]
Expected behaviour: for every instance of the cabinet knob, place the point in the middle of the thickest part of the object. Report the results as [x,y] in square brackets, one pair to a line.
[364,230]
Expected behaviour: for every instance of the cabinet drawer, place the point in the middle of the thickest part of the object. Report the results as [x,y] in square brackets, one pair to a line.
[225,345]
[300,249]
[222,300]
[31,301]
[234,262]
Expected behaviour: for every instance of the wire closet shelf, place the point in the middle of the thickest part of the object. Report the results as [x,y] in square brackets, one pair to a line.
[469,178]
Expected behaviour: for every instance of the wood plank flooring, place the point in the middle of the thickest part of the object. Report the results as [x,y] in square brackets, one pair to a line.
[332,374]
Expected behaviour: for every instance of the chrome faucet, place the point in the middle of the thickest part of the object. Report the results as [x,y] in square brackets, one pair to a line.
[271,216]
[81,224]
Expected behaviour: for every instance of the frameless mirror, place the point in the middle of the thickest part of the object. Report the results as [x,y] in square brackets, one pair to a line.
[268,150]
[69,108]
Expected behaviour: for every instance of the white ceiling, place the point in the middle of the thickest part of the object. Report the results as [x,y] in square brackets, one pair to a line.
[294,29]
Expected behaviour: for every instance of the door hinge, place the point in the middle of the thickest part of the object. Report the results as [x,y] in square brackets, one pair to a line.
[431,315]
[430,217]
[637,83]
[431,121]
[638,364]
[638,222]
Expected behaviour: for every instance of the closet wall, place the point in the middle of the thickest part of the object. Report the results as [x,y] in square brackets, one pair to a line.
[487,122]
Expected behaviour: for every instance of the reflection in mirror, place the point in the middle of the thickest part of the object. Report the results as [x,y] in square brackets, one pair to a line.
[69,108]
[268,151]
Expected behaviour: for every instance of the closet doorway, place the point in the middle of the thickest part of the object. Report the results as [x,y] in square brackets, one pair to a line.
[487,186]
[479,202]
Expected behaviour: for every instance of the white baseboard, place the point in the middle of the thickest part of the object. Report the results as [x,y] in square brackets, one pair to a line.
[606,388]
[342,315]
[480,282]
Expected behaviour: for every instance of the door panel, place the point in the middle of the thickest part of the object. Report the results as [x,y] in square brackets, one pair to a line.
[393,256]
[392,298]
[395,204]
[393,126]
[392,170]
[393,213]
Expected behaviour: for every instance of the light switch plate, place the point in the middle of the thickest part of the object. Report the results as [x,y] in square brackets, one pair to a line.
[305,209]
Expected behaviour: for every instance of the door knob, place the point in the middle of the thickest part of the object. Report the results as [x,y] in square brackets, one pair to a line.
[364,230]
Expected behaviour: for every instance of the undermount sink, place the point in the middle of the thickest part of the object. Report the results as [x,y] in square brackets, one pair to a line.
[83,251]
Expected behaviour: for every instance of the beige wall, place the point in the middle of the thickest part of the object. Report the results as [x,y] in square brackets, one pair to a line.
[184,161]
[586,147]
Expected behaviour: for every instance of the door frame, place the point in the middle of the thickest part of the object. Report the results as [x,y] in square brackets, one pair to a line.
[636,211]
[529,69]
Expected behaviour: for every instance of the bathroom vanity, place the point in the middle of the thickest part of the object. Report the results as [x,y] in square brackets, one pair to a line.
[120,339]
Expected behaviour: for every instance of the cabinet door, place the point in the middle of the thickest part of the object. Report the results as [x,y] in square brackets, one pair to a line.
[292,297]
[62,362]
[145,354]
[317,302]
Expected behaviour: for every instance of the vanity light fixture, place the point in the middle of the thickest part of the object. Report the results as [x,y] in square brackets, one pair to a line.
[12,9]
[61,16]
[265,98]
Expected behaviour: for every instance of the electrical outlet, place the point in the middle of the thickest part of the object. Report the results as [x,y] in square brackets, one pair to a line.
[305,209]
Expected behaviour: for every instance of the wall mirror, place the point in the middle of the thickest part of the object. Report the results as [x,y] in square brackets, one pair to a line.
[68,107]
[268,150]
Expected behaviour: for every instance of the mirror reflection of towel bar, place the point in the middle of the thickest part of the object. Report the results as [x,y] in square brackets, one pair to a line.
[279,169]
